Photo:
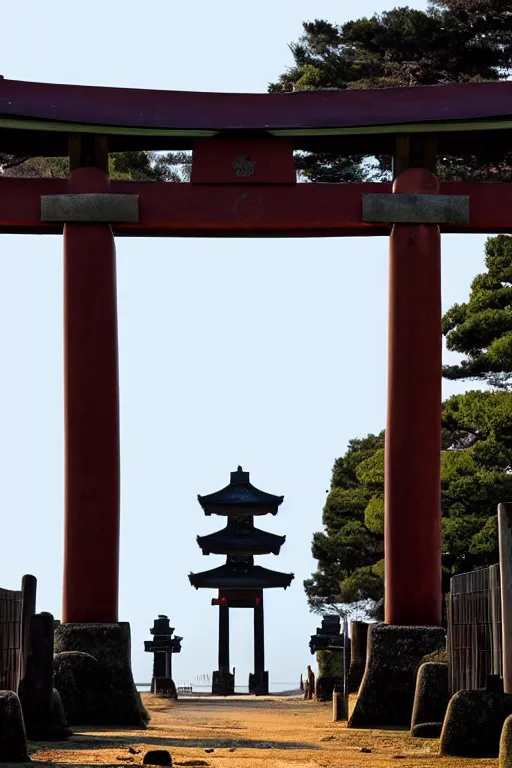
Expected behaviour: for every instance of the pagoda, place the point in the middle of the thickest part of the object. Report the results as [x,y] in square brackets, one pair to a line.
[239,581]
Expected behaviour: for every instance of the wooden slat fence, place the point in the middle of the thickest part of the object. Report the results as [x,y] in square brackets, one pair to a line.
[16,610]
[10,639]
[474,628]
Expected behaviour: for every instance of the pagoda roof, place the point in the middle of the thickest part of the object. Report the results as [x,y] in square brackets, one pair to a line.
[36,118]
[240,497]
[253,542]
[241,576]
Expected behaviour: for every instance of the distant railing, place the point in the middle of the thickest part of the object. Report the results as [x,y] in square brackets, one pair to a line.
[474,628]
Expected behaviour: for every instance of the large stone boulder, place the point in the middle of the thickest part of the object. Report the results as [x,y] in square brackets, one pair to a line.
[387,691]
[79,679]
[506,744]
[427,730]
[473,724]
[432,694]
[13,739]
[109,686]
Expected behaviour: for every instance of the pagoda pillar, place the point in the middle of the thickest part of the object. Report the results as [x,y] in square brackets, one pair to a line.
[412,532]
[223,638]
[259,638]
[223,682]
[91,392]
[258,682]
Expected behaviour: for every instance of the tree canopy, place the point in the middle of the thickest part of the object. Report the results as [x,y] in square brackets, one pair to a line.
[129,166]
[476,475]
[481,329]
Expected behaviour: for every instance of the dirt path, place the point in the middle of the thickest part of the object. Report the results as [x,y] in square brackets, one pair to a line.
[247,732]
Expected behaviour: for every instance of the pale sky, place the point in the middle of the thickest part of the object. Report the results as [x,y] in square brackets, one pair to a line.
[270,354]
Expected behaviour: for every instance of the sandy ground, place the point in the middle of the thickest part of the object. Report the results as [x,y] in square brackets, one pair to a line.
[247,732]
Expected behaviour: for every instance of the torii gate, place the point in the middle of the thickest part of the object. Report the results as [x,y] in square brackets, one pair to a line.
[244,184]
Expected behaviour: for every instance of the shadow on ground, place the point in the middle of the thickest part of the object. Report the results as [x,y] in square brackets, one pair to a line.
[141,737]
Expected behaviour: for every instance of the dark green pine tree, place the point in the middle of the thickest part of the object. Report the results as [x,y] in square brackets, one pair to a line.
[475,477]
[129,166]
[481,329]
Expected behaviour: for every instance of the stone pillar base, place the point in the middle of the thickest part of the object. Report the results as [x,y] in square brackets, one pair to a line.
[103,688]
[223,683]
[164,686]
[386,695]
[258,683]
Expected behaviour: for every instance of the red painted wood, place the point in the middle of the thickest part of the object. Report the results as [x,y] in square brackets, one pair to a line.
[91,549]
[297,210]
[412,534]
[243,161]
[130,107]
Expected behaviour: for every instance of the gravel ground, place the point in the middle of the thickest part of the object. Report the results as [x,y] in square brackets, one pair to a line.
[246,732]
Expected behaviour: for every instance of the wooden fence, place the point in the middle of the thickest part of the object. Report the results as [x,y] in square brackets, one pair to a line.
[16,608]
[474,628]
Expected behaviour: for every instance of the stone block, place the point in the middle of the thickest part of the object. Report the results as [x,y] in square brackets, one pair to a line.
[432,694]
[427,730]
[258,683]
[387,691]
[358,648]
[110,684]
[39,699]
[223,683]
[473,724]
[416,209]
[13,738]
[90,208]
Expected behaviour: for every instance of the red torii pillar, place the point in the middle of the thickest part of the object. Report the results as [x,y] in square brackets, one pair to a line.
[91,548]
[412,535]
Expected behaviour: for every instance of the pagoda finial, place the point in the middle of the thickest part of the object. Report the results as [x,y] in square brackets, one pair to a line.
[239,476]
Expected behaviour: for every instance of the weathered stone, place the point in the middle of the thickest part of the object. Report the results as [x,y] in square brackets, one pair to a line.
[157,757]
[13,739]
[416,209]
[339,707]
[387,691]
[432,694]
[79,679]
[439,657]
[36,692]
[90,208]
[427,730]
[111,687]
[473,724]
[358,648]
[59,719]
[258,683]
[506,744]
[223,683]
[165,687]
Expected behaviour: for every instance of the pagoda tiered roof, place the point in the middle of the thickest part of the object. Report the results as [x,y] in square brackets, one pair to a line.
[240,576]
[230,541]
[240,497]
